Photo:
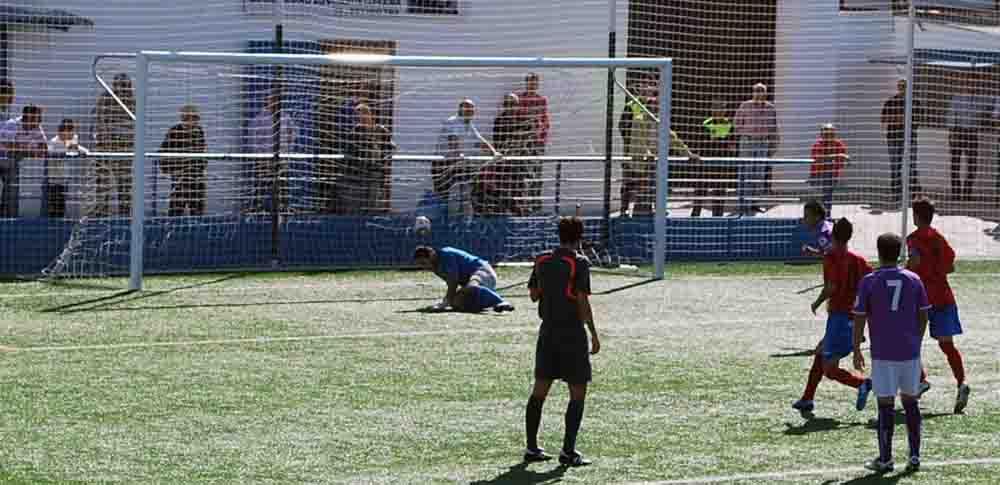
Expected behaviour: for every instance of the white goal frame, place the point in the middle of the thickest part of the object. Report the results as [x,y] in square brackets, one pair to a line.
[145,58]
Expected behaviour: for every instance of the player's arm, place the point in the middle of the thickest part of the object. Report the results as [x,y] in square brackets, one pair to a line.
[859,332]
[587,315]
[922,319]
[947,257]
[584,311]
[828,288]
[534,289]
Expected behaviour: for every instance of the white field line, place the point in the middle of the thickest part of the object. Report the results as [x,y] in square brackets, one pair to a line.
[334,286]
[785,475]
[362,335]
[268,340]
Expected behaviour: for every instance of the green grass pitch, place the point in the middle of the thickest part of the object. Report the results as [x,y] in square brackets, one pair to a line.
[333,378]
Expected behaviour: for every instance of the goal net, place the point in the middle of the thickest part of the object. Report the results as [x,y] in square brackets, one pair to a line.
[258,161]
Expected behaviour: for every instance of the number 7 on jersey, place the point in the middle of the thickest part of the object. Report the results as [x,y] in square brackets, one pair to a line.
[896,286]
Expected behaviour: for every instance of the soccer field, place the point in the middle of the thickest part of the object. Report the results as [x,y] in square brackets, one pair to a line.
[335,378]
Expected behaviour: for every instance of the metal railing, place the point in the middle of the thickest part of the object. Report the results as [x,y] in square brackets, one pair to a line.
[566,180]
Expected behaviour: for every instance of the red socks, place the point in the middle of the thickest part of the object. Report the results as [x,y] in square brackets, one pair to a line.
[844,377]
[954,360]
[815,375]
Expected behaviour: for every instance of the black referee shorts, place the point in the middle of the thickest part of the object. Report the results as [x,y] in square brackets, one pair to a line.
[563,353]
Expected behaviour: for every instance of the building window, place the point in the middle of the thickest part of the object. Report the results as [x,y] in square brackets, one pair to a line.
[432,7]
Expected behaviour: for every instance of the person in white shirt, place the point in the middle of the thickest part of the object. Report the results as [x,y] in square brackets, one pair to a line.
[261,141]
[459,138]
[20,138]
[66,144]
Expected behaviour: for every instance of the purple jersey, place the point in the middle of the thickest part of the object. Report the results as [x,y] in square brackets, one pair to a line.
[821,237]
[891,297]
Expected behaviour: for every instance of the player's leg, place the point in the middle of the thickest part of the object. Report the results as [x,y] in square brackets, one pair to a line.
[909,393]
[886,383]
[574,417]
[574,351]
[533,419]
[480,293]
[838,342]
[805,403]
[944,326]
[546,370]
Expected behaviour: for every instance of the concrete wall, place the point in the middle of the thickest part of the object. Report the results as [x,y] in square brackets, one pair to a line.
[53,68]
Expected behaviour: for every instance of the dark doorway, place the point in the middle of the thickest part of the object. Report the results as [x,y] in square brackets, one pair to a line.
[720,49]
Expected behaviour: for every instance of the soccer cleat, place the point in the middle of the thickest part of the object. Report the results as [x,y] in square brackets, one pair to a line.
[913,464]
[962,400]
[503,307]
[803,405]
[922,388]
[532,455]
[573,459]
[879,466]
[863,390]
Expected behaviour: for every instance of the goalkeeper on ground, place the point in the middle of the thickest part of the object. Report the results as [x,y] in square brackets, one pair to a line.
[472,282]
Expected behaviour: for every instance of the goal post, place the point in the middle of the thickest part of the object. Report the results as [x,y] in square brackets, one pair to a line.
[146,59]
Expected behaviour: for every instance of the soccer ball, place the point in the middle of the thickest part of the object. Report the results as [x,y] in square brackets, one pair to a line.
[422,226]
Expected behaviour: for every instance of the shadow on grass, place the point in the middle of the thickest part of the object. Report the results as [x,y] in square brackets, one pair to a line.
[901,418]
[626,287]
[107,307]
[813,424]
[873,479]
[99,303]
[818,425]
[792,352]
[520,474]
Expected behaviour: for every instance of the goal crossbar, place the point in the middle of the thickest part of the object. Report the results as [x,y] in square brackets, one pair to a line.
[144,58]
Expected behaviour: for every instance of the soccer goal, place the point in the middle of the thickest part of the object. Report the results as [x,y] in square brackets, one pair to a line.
[303,161]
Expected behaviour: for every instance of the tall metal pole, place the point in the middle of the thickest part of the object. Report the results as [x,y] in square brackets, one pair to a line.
[904,209]
[138,176]
[609,123]
[663,168]
[276,141]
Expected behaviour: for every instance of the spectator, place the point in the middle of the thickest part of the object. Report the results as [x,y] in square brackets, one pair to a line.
[536,108]
[756,123]
[643,147]
[964,120]
[459,138]
[362,182]
[6,99]
[65,144]
[20,138]
[115,132]
[337,117]
[187,193]
[719,130]
[265,173]
[505,180]
[829,155]
[894,130]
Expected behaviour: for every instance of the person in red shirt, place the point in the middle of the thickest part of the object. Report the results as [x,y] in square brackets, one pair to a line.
[842,272]
[829,155]
[536,109]
[932,258]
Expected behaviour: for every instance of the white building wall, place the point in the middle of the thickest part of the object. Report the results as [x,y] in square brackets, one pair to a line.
[53,68]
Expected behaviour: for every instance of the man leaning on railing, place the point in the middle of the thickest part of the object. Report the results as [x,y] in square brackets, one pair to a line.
[20,138]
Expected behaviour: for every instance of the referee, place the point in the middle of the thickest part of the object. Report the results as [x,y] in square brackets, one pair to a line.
[560,283]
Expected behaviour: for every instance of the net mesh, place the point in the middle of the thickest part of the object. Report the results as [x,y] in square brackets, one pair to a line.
[821,62]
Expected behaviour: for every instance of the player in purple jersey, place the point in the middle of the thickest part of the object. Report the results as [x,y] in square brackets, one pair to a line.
[820,230]
[893,303]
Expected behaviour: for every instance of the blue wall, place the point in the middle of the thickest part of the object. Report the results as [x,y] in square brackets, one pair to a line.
[27,245]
